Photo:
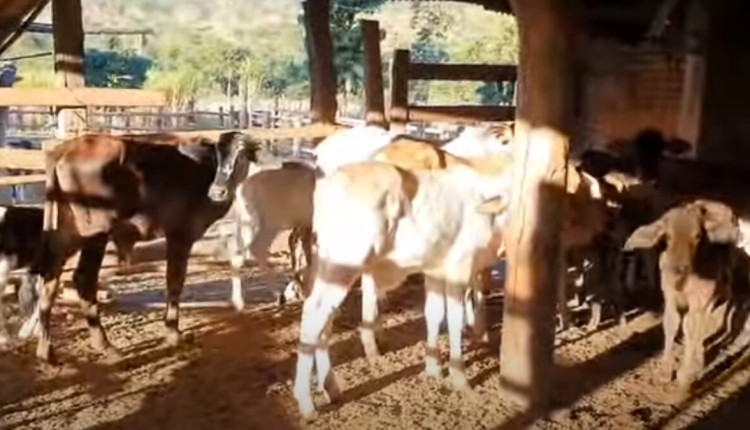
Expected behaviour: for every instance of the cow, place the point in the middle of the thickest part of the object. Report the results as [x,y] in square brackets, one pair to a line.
[378,219]
[96,183]
[696,265]
[267,202]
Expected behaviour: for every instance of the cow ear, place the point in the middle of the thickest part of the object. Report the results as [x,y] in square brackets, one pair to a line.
[645,236]
[719,221]
[492,206]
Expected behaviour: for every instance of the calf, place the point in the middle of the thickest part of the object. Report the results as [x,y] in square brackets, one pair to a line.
[378,219]
[96,182]
[267,202]
[696,276]
[20,231]
[20,241]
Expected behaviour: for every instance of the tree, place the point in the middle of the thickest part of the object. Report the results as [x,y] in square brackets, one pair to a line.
[114,69]
[431,25]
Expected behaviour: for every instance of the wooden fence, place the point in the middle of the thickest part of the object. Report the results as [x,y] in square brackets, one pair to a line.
[41,121]
[403,71]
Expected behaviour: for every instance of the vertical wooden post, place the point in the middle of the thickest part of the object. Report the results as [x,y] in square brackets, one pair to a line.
[67,29]
[545,104]
[323,104]
[7,79]
[374,106]
[688,123]
[724,130]
[398,114]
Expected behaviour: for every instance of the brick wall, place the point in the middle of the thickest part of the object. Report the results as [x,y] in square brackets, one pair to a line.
[626,89]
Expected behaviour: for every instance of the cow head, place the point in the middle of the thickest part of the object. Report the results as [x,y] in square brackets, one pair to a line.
[682,229]
[234,154]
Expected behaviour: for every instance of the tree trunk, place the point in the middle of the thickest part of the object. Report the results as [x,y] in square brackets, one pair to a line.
[244,93]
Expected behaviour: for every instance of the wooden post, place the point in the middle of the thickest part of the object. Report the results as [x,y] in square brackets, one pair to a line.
[7,79]
[67,29]
[688,125]
[545,105]
[323,104]
[724,130]
[375,108]
[398,113]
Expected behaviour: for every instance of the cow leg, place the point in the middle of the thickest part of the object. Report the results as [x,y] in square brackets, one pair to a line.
[455,310]
[562,298]
[670,325]
[693,360]
[300,237]
[475,303]
[47,297]
[434,313]
[318,309]
[619,260]
[178,252]
[6,265]
[124,239]
[236,262]
[259,248]
[369,316]
[85,280]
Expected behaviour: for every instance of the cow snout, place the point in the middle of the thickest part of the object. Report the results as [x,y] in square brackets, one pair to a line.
[218,193]
[678,269]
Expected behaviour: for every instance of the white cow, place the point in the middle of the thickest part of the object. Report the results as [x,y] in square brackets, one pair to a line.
[377,219]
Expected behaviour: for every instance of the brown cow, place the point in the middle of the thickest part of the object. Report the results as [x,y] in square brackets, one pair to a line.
[98,183]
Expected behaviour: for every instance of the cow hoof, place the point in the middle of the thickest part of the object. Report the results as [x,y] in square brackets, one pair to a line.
[685,379]
[5,343]
[371,352]
[460,383]
[433,370]
[307,410]
[46,354]
[238,304]
[332,390]
[173,339]
[280,300]
[592,326]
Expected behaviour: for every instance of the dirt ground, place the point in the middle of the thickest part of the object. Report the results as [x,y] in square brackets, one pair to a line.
[236,371]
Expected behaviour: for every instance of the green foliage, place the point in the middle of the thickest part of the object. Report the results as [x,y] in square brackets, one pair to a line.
[203,49]
[115,69]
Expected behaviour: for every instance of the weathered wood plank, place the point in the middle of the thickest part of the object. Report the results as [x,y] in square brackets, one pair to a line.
[80,97]
[461,113]
[375,106]
[398,113]
[463,72]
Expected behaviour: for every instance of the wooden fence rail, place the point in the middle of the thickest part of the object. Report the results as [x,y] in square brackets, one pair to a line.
[403,71]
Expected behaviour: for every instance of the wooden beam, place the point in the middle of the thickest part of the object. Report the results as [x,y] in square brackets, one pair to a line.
[375,106]
[323,105]
[398,113]
[23,159]
[21,180]
[543,124]
[80,97]
[460,114]
[724,131]
[311,131]
[462,72]
[67,29]
[689,120]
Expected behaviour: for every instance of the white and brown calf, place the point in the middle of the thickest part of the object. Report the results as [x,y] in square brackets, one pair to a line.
[696,277]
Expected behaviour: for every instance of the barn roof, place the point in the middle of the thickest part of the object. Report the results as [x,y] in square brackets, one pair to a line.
[14,16]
